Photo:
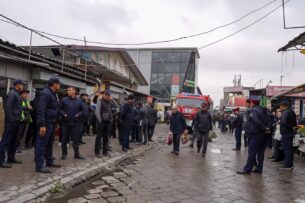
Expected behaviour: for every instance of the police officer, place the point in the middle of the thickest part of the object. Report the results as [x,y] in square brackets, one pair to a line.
[103,114]
[12,110]
[245,120]
[25,118]
[256,129]
[47,116]
[288,125]
[71,109]
[203,124]
[84,119]
[237,123]
[127,118]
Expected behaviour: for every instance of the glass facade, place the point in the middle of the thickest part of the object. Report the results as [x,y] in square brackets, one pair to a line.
[169,70]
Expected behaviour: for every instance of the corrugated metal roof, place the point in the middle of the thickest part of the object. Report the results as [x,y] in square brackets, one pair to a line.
[298,41]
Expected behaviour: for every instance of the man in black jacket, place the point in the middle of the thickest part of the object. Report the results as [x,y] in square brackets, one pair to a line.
[203,124]
[256,127]
[47,117]
[84,119]
[178,127]
[288,124]
[127,118]
[103,113]
[71,110]
[152,120]
[12,110]
[237,123]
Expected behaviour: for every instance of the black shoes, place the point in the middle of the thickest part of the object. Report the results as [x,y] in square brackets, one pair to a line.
[173,152]
[53,165]
[64,157]
[191,146]
[98,156]
[198,150]
[79,157]
[124,149]
[129,148]
[287,167]
[203,155]
[4,165]
[257,172]
[144,143]
[243,173]
[82,142]
[43,170]
[14,161]
[236,149]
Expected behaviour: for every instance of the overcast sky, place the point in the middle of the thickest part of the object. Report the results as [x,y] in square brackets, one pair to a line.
[251,53]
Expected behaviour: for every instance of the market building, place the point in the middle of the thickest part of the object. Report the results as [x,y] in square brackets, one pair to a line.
[169,71]
[121,75]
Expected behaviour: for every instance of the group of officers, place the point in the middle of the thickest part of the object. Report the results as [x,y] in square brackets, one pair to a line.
[259,125]
[71,114]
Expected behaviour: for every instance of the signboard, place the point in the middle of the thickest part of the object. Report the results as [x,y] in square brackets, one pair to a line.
[303,108]
[175,79]
[189,83]
[275,90]
[233,89]
[175,90]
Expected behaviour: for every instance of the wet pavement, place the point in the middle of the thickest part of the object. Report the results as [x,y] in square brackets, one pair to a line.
[160,176]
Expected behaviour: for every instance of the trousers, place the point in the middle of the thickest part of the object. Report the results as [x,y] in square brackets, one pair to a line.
[44,146]
[176,142]
[102,137]
[287,143]
[8,141]
[202,141]
[70,131]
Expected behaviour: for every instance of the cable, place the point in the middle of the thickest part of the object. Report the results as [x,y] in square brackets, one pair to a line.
[244,28]
[161,41]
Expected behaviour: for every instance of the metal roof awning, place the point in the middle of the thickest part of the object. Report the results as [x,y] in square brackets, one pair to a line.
[297,43]
[296,90]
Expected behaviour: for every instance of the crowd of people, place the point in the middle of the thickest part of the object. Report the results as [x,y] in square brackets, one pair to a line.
[37,122]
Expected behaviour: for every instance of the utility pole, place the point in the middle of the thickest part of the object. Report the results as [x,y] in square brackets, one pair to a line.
[86,57]
[30,50]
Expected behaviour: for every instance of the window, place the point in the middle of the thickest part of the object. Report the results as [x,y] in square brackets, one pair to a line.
[167,78]
[154,67]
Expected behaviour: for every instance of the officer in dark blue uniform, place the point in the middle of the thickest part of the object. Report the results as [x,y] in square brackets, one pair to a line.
[12,109]
[127,118]
[84,119]
[71,109]
[256,129]
[47,116]
[237,123]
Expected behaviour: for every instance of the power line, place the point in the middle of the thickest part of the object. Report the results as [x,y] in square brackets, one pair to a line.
[244,28]
[154,42]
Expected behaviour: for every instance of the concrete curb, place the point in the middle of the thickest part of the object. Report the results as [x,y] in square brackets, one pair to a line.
[88,171]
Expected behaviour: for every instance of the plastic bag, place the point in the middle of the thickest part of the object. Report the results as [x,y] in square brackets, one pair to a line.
[185,138]
[169,138]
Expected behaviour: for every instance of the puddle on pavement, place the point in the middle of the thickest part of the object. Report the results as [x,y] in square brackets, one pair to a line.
[216,151]
[105,182]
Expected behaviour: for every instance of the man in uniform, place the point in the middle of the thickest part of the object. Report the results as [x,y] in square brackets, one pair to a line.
[245,120]
[84,119]
[288,125]
[152,120]
[103,113]
[71,110]
[47,116]
[12,110]
[203,124]
[237,123]
[256,128]
[127,118]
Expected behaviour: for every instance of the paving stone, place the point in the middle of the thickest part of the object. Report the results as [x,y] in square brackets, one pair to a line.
[116,199]
[94,191]
[98,182]
[78,200]
[92,196]
[109,194]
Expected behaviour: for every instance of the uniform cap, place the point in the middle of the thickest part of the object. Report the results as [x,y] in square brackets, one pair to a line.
[53,80]
[130,97]
[236,109]
[18,81]
[284,103]
[24,91]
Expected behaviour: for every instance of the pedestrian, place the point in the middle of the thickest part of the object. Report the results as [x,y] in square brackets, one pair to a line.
[103,115]
[203,124]
[47,117]
[152,120]
[12,110]
[288,125]
[256,128]
[246,117]
[71,110]
[91,112]
[114,108]
[144,119]
[178,127]
[127,118]
[137,130]
[25,119]
[160,116]
[278,154]
[84,119]
[30,139]
[237,123]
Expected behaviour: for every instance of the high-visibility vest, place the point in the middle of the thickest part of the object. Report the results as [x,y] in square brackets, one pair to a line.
[24,104]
